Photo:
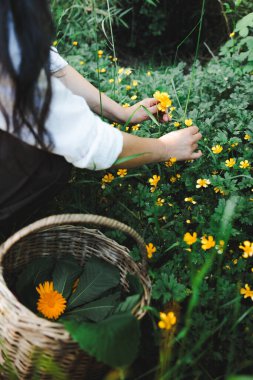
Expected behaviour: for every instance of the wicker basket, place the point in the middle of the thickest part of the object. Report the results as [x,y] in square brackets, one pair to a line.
[22,332]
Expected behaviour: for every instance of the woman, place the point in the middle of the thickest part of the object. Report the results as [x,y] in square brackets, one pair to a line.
[46,122]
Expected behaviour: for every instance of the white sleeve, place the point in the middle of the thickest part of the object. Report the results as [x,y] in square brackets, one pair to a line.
[56,61]
[78,134]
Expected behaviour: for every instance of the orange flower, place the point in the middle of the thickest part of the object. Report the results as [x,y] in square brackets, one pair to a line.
[51,303]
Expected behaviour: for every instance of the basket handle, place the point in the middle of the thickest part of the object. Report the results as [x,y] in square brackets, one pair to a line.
[77,219]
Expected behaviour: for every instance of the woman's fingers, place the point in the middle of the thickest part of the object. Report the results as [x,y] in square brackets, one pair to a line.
[197,137]
[196,155]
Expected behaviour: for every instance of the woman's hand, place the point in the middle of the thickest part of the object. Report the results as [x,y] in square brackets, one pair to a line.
[140,114]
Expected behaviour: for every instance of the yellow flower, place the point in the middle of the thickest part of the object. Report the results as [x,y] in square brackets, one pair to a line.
[121,70]
[188,122]
[217,149]
[82,63]
[128,87]
[178,176]
[164,100]
[109,177]
[100,52]
[126,105]
[190,239]
[74,43]
[55,43]
[114,59]
[219,190]
[244,164]
[172,109]
[231,35]
[247,292]
[135,83]
[154,180]
[111,80]
[207,242]
[247,249]
[235,261]
[128,72]
[167,320]
[220,246]
[122,172]
[173,179]
[171,162]
[51,303]
[119,80]
[150,250]
[149,73]
[202,182]
[190,199]
[230,163]
[134,97]
[247,137]
[136,127]
[177,124]
[160,202]
[188,221]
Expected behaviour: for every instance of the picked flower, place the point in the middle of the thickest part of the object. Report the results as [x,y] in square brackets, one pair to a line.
[188,122]
[167,320]
[202,182]
[246,292]
[190,239]
[247,249]
[150,250]
[217,149]
[230,163]
[164,100]
[207,242]
[51,303]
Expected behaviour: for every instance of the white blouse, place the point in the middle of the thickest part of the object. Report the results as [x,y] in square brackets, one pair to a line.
[76,132]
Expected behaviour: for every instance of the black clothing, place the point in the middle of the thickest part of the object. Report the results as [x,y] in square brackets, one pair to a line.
[28,177]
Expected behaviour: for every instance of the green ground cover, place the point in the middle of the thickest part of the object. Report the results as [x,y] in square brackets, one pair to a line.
[199,280]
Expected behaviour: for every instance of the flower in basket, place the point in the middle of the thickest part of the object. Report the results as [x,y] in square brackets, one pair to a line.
[89,301]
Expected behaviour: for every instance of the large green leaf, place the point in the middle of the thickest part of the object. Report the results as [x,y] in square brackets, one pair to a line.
[98,276]
[64,275]
[97,310]
[128,304]
[37,271]
[114,341]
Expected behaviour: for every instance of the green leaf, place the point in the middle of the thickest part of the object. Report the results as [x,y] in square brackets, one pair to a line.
[128,304]
[114,341]
[97,310]
[128,158]
[98,276]
[37,271]
[64,275]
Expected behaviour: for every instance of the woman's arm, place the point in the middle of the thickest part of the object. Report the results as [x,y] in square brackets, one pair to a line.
[181,144]
[110,109]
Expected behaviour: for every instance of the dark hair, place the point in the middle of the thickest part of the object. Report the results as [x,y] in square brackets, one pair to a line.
[34,30]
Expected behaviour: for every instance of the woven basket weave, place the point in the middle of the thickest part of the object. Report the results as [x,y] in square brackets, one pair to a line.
[22,332]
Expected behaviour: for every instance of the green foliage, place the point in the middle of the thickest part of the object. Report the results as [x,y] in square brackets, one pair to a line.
[240,48]
[206,284]
[97,278]
[113,341]
[64,275]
